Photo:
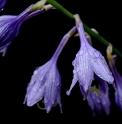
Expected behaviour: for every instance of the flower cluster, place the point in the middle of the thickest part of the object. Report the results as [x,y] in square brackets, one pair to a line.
[91,70]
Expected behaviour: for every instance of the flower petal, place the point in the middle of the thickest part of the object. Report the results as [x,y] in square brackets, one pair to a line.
[85,73]
[101,68]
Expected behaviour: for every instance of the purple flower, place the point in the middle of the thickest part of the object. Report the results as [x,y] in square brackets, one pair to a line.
[99,100]
[46,82]
[117,76]
[2,4]
[10,26]
[87,62]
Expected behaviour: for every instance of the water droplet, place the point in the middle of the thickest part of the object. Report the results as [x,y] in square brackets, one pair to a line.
[74,71]
[73,62]
[34,89]
[35,72]
[57,83]
[40,90]
[1,9]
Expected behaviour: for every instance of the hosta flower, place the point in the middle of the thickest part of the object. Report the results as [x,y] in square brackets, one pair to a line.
[98,99]
[117,76]
[46,82]
[87,62]
[2,4]
[10,26]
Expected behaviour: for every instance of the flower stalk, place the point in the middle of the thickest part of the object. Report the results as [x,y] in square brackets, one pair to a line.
[87,29]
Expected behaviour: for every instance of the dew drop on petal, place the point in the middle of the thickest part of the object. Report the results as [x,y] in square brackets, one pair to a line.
[35,72]
[73,62]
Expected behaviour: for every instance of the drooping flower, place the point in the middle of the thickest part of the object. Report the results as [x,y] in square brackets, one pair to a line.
[2,4]
[10,26]
[98,99]
[118,79]
[46,82]
[87,62]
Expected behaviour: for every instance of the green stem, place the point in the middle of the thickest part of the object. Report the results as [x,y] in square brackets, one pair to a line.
[61,8]
[86,28]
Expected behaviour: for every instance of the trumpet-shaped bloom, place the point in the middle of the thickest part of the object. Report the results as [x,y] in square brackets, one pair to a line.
[10,27]
[87,62]
[2,4]
[99,102]
[46,82]
[117,77]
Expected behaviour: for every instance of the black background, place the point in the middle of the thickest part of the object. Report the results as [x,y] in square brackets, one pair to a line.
[36,43]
